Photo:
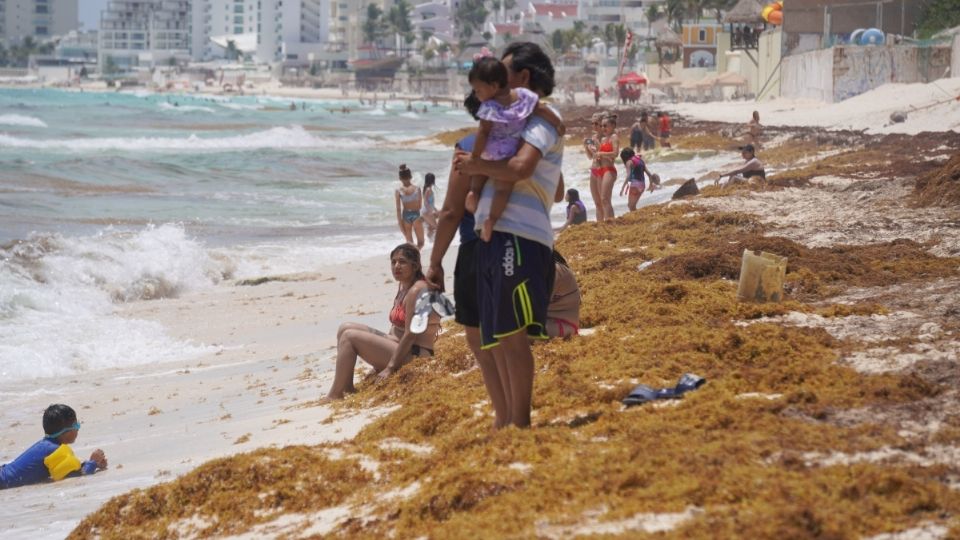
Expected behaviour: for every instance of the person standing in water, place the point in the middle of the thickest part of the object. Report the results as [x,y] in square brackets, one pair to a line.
[429,204]
[409,202]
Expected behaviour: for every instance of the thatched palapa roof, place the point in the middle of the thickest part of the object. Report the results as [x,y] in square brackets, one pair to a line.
[745,12]
[666,37]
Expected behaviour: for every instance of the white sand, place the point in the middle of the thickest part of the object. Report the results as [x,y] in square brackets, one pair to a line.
[869,111]
[274,346]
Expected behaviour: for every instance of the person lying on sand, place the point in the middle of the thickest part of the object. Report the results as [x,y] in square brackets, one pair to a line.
[51,457]
[387,353]
[752,167]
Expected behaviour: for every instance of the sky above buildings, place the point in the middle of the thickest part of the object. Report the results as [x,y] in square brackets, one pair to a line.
[90,13]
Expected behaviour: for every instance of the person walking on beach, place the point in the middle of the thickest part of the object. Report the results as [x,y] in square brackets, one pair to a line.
[516,268]
[429,204]
[607,152]
[649,141]
[636,169]
[388,352]
[664,129]
[636,136]
[409,202]
[596,96]
[752,130]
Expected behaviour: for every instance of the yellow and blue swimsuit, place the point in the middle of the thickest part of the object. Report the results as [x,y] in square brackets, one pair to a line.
[44,460]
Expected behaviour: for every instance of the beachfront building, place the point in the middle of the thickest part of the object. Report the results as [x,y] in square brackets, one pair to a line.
[434,18]
[143,33]
[39,20]
[700,44]
[262,30]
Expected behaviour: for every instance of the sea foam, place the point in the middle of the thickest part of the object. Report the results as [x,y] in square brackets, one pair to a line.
[277,138]
[58,297]
[21,120]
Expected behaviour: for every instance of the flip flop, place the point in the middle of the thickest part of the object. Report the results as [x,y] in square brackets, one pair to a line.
[421,312]
[441,304]
[643,393]
[688,382]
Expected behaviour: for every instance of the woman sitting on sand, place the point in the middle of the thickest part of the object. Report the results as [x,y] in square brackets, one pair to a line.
[389,352]
[409,201]
[752,168]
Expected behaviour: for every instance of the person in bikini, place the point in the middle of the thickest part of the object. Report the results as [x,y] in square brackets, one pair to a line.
[753,168]
[606,154]
[409,202]
[636,169]
[590,146]
[387,352]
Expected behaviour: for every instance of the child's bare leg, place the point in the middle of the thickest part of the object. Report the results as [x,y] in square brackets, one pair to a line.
[473,197]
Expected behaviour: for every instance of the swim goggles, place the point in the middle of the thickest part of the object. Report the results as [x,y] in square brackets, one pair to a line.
[74,427]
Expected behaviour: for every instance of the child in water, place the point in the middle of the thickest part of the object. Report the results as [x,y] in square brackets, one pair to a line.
[503,114]
[51,456]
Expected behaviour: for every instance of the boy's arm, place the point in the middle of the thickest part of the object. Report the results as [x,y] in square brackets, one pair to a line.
[547,114]
[448,219]
[558,196]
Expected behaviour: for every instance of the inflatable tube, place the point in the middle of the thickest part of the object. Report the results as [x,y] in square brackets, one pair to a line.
[767,10]
[776,17]
[855,36]
[872,36]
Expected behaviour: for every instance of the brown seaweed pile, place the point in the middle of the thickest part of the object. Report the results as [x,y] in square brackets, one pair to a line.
[940,187]
[737,451]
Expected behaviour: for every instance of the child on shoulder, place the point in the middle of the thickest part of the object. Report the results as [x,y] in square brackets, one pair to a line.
[51,456]
[503,114]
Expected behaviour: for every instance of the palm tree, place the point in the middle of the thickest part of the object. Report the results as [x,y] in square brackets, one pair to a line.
[470,16]
[653,14]
[373,25]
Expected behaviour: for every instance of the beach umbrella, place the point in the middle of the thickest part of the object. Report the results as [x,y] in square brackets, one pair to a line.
[632,78]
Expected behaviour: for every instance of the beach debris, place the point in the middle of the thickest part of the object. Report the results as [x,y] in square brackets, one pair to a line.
[761,277]
[643,393]
[687,189]
[898,117]
[646,264]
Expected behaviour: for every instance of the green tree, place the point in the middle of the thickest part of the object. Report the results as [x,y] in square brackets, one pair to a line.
[398,21]
[469,17]
[653,14]
[675,11]
[373,25]
[938,15]
[615,35]
[109,66]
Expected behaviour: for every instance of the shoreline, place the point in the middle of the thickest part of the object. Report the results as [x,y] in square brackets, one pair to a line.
[780,397]
[272,359]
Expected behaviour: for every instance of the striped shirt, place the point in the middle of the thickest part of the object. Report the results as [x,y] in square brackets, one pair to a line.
[528,211]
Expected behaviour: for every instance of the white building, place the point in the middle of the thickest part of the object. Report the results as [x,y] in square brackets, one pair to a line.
[37,19]
[144,32]
[266,30]
[434,17]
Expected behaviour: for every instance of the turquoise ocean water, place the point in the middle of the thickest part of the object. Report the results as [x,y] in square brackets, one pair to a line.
[114,197]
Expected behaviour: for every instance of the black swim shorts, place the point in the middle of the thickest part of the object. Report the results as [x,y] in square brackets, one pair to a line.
[515,279]
[466,310]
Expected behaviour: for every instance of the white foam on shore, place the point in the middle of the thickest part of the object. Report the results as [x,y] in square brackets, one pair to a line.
[58,295]
[21,120]
[274,138]
[184,108]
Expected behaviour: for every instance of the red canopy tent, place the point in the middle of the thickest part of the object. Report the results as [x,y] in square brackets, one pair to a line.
[632,78]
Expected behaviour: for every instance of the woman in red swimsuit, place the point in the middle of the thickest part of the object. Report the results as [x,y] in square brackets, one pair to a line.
[590,147]
[606,154]
[387,352]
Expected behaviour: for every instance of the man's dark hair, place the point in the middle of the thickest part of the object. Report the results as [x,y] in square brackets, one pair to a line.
[57,417]
[489,70]
[472,104]
[529,56]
